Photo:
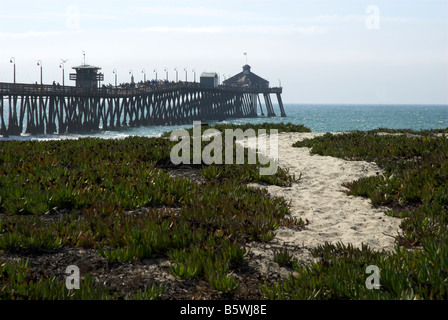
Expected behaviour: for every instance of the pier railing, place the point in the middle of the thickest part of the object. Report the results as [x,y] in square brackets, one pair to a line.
[57,89]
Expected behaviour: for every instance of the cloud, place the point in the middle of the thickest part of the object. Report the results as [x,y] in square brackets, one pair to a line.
[341,20]
[191,12]
[243,29]
[248,29]
[31,34]
[54,15]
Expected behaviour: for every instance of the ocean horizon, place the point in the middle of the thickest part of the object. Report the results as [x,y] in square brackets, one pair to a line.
[319,118]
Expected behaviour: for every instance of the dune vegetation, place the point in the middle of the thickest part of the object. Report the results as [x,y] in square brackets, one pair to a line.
[80,193]
[120,200]
[414,187]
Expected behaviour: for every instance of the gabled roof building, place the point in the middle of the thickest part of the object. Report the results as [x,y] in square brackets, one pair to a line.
[246,79]
[255,85]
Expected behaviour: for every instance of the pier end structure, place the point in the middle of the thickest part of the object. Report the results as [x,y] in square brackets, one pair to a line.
[257,85]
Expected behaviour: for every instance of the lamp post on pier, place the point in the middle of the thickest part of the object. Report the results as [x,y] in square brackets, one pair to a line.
[115,73]
[166,70]
[194,72]
[39,63]
[185,69]
[61,65]
[155,70]
[132,75]
[13,61]
[144,75]
[177,78]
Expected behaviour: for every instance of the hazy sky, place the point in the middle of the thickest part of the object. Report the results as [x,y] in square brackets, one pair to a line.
[322,51]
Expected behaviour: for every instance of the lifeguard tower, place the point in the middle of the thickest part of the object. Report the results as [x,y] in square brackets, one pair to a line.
[87,76]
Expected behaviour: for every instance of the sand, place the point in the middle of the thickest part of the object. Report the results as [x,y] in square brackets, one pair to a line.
[320,198]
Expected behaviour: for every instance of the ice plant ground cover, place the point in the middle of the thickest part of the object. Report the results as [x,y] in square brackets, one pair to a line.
[79,194]
[116,199]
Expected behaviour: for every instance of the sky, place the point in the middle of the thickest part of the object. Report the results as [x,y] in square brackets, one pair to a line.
[319,51]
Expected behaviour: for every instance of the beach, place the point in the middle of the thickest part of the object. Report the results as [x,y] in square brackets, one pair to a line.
[316,196]
[320,198]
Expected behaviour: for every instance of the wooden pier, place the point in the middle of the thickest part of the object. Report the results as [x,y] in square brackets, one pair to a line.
[54,109]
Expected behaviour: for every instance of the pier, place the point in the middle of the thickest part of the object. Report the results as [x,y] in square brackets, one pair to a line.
[55,109]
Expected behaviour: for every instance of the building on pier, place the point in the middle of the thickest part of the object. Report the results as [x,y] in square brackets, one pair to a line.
[209,80]
[250,82]
[246,79]
[87,76]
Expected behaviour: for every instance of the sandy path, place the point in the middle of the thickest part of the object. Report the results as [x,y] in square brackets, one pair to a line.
[320,198]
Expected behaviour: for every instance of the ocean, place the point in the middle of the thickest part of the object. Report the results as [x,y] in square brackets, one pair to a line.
[317,117]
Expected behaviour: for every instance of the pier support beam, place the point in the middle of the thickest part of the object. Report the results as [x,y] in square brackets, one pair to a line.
[269,107]
[280,103]
[3,129]
[261,107]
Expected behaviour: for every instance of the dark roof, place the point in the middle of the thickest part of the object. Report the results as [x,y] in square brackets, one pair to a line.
[246,78]
[86,66]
